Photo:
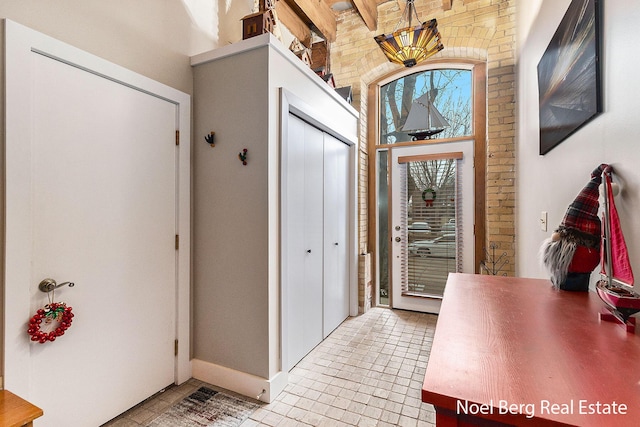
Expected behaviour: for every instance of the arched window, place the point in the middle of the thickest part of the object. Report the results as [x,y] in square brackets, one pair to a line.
[428,104]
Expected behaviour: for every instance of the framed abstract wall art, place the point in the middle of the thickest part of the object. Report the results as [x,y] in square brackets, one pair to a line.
[569,75]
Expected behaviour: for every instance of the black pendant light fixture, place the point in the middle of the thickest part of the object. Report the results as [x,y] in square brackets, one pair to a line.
[411,44]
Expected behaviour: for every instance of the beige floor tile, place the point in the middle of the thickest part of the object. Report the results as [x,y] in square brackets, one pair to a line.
[368,372]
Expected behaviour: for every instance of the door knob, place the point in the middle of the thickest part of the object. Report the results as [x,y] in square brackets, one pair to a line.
[308,251]
[398,239]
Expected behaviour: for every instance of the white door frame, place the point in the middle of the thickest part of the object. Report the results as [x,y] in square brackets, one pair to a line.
[20,43]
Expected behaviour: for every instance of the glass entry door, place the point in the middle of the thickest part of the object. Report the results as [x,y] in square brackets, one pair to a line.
[431,221]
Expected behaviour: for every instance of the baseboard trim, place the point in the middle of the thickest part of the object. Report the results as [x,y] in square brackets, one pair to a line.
[265,390]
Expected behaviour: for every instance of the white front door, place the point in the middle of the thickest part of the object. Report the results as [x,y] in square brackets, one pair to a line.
[95,195]
[431,221]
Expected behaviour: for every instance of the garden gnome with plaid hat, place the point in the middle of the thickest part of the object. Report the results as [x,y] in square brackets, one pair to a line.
[573,250]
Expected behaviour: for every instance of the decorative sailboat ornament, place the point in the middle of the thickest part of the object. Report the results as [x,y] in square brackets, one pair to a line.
[424,119]
[615,286]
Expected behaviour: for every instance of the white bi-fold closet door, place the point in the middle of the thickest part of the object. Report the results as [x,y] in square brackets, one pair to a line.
[316,239]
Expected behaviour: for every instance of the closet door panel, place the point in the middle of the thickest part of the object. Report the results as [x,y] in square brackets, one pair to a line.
[313,235]
[336,179]
[293,275]
[302,279]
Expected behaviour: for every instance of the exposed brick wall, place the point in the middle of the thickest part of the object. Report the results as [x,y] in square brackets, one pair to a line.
[480,30]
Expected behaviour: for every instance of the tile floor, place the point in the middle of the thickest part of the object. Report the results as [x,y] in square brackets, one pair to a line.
[368,372]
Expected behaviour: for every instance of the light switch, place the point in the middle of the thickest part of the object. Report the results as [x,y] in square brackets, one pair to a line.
[543,221]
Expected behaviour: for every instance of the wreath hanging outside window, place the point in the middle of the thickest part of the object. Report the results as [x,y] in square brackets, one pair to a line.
[429,195]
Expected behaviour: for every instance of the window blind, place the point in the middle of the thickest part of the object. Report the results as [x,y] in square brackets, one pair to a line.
[431,208]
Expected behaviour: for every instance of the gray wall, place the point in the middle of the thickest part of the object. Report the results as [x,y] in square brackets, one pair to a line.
[230,234]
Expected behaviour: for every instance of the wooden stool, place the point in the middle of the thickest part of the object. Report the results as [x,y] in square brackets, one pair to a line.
[15,411]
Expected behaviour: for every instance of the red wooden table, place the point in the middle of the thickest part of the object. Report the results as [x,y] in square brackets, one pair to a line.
[516,351]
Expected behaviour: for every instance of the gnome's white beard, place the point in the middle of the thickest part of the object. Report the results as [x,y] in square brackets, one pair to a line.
[556,256]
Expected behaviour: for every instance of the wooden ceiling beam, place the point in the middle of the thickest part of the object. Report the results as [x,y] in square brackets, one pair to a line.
[368,10]
[292,21]
[317,13]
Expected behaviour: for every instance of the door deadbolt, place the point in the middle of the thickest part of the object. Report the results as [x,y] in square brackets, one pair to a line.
[398,239]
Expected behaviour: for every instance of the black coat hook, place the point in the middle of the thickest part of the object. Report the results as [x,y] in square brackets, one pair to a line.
[210,139]
[243,156]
